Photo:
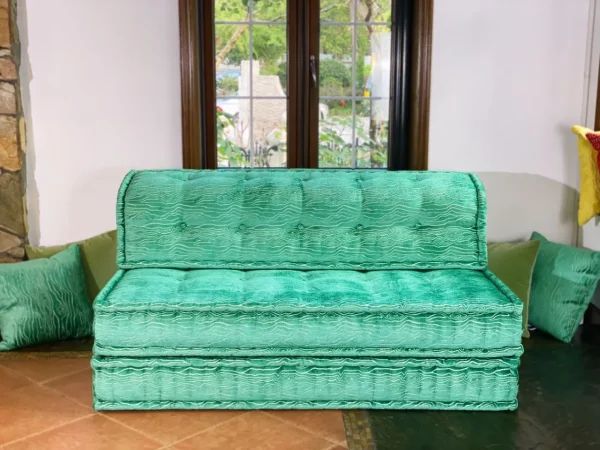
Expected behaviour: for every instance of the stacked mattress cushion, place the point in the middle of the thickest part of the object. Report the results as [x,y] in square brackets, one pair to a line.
[304,289]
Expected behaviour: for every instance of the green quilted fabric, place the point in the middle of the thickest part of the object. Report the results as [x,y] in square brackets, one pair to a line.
[564,280]
[167,312]
[243,383]
[301,219]
[43,300]
[304,289]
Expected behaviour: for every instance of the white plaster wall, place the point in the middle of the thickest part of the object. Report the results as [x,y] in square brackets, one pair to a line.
[508,82]
[590,233]
[101,94]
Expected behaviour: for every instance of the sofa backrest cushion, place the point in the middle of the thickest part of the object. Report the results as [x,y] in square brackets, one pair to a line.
[301,219]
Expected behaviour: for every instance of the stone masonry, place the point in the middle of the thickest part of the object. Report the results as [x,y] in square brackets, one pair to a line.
[13,221]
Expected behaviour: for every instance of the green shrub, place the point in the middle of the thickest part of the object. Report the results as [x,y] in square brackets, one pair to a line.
[229,84]
[331,87]
[282,73]
[330,69]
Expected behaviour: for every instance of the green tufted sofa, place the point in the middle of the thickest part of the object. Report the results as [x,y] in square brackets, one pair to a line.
[304,289]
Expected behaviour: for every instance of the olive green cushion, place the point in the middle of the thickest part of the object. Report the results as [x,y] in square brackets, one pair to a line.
[513,263]
[98,257]
[564,280]
[43,300]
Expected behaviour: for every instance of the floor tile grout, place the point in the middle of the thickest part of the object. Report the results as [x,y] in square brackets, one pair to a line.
[73,399]
[41,383]
[63,376]
[308,430]
[21,375]
[94,412]
[46,430]
[334,446]
[153,439]
[208,428]
[113,419]
[45,383]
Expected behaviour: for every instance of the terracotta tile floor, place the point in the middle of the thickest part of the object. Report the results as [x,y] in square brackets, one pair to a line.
[47,403]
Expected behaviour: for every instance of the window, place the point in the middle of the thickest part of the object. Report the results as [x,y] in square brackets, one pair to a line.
[315,83]
[251,71]
[354,83]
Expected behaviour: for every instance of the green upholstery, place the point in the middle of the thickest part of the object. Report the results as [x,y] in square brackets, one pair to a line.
[301,219]
[324,383]
[564,282]
[304,289]
[43,301]
[166,312]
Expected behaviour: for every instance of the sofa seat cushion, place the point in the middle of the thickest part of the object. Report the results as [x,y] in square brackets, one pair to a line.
[305,382]
[157,312]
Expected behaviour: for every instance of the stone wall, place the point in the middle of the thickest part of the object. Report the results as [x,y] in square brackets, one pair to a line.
[13,221]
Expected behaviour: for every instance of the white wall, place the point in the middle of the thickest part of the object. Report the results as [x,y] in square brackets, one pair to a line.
[508,83]
[101,94]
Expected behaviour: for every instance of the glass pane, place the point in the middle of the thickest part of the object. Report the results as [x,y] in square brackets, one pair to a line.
[354,83]
[335,61]
[356,11]
[373,57]
[270,69]
[335,135]
[231,10]
[269,134]
[337,10]
[232,46]
[269,10]
[233,132]
[251,64]
[371,134]
[374,10]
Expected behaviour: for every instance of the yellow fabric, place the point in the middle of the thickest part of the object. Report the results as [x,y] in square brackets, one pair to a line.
[589,197]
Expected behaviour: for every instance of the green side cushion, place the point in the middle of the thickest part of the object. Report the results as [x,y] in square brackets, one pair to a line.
[441,313]
[564,280]
[301,219]
[513,263]
[98,255]
[43,300]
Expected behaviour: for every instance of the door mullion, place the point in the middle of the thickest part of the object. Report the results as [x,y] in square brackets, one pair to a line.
[207,82]
[399,124]
[294,98]
[312,108]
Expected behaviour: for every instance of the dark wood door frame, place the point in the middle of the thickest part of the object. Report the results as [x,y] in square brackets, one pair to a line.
[191,120]
[412,55]
[420,88]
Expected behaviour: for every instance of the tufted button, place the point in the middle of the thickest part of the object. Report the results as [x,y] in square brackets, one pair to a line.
[182,226]
[300,227]
[242,228]
[360,227]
